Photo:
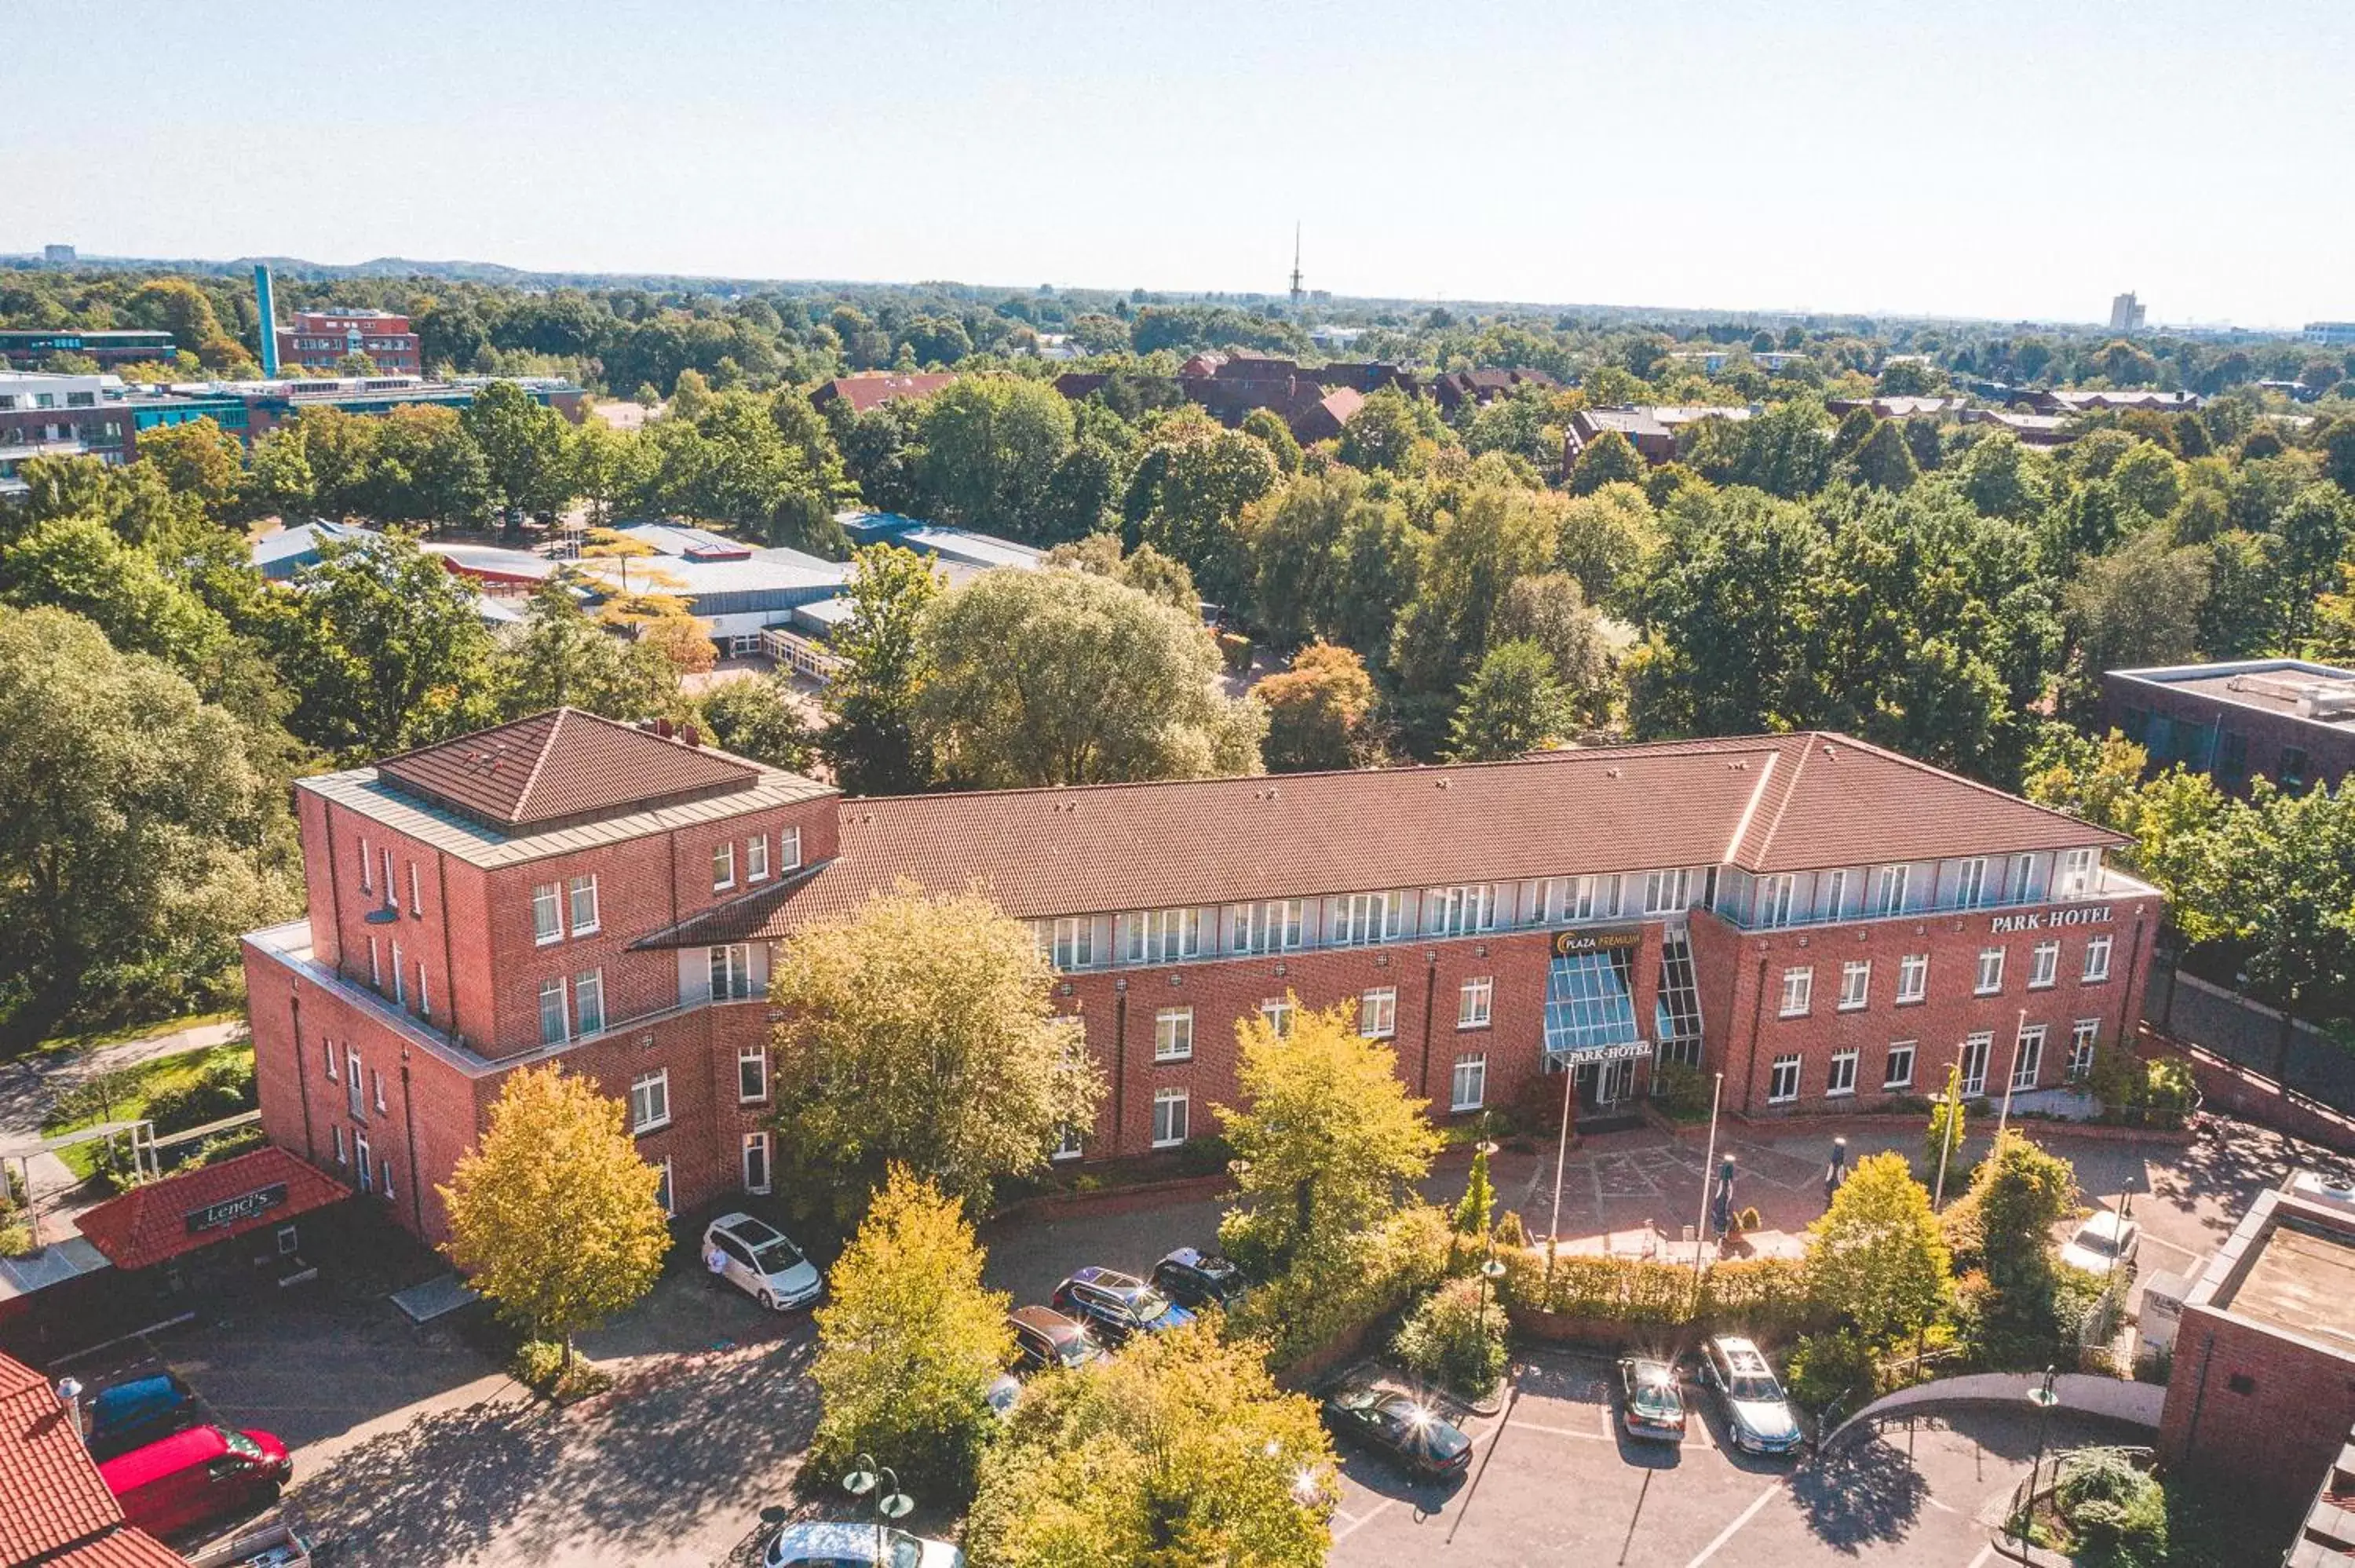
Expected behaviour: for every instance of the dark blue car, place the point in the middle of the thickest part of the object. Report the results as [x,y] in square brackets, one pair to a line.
[132,1414]
[1116,1305]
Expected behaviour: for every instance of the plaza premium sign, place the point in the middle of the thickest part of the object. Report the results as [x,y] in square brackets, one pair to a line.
[2051,919]
[1596,939]
[231,1211]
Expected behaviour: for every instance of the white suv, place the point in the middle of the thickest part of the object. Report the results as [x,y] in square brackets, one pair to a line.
[758,1259]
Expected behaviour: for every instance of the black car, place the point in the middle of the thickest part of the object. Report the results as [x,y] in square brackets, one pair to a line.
[1408,1432]
[1651,1401]
[1193,1279]
[1112,1305]
[1045,1338]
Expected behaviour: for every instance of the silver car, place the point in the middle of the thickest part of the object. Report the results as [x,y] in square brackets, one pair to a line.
[817,1545]
[759,1260]
[1758,1419]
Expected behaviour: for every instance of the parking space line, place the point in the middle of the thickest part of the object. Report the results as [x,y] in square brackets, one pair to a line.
[1564,1432]
[1372,1513]
[1744,1517]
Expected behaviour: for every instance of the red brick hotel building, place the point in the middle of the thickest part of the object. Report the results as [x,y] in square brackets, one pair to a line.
[1825,923]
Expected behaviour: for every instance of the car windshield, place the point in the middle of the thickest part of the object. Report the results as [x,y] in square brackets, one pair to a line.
[777,1257]
[1146,1302]
[239,1443]
[1655,1393]
[2097,1241]
[907,1551]
[1071,1350]
[1758,1388]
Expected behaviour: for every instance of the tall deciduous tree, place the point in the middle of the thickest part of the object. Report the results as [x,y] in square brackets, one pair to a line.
[554,1216]
[197,459]
[562,657]
[1513,704]
[1608,459]
[1064,677]
[872,741]
[758,717]
[1317,711]
[527,449]
[919,1030]
[986,446]
[1877,1259]
[909,1343]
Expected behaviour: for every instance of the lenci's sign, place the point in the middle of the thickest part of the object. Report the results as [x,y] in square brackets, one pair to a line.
[1601,940]
[231,1211]
[2051,919]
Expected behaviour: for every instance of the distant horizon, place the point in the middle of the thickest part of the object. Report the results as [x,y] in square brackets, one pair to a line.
[2012,161]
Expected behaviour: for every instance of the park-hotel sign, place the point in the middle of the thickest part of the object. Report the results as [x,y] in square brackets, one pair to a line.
[2051,919]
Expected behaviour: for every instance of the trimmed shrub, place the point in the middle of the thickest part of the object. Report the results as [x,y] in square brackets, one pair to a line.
[1768,1294]
[1831,1369]
[1321,1297]
[1456,1338]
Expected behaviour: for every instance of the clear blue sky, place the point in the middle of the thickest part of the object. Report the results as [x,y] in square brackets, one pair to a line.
[1989,158]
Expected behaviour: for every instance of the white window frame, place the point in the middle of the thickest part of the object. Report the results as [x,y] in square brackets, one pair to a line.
[1173,1034]
[1889,887]
[354,1083]
[555,1008]
[573,889]
[376,966]
[1476,1002]
[1798,992]
[2097,960]
[424,995]
[2023,876]
[1278,1011]
[756,858]
[375,1082]
[416,905]
[1987,980]
[1914,978]
[589,1015]
[2084,1040]
[360,1158]
[1463,910]
[2078,867]
[760,1142]
[723,867]
[1835,894]
[1071,1142]
[1909,1051]
[1840,1080]
[547,912]
[1667,892]
[720,968]
[666,1193]
[1855,984]
[399,977]
[1970,889]
[1164,935]
[1594,898]
[333,1075]
[1777,899]
[2043,966]
[1364,919]
[1071,941]
[1471,1072]
[2028,1056]
[755,1057]
[650,1101]
[1377,1013]
[1173,1118]
[337,1128]
[789,849]
[1783,1079]
[367,883]
[1978,1046]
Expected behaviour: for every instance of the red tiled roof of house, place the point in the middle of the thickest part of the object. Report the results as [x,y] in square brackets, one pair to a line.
[563,765]
[1765,803]
[160,1219]
[119,1548]
[871,389]
[51,1493]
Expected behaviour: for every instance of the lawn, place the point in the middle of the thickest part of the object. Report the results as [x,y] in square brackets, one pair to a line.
[129,1032]
[172,1089]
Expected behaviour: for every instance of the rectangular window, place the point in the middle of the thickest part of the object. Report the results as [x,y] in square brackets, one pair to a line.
[1665,892]
[384,858]
[1897,1072]
[2083,1038]
[751,1074]
[663,1192]
[1776,896]
[2043,965]
[756,1162]
[650,1100]
[1164,935]
[1362,918]
[547,923]
[332,1074]
[2097,959]
[1169,1117]
[756,858]
[1783,1081]
[2077,868]
[2028,1056]
[1473,1002]
[1834,895]
[361,1162]
[377,1079]
[1459,911]
[552,1011]
[731,972]
[1991,979]
[1889,890]
[1970,891]
[425,998]
[1469,1090]
[416,906]
[1842,1078]
[399,978]
[723,867]
[589,1001]
[340,1158]
[1173,1034]
[1277,1011]
[1596,898]
[1855,984]
[376,967]
[367,869]
[1378,1014]
[1274,926]
[355,1090]
[1798,991]
[384,1177]
[1070,1143]
[2023,877]
[1976,1049]
[1913,976]
[1071,942]
[581,893]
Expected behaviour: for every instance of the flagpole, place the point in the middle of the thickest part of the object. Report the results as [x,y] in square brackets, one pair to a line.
[1707,1174]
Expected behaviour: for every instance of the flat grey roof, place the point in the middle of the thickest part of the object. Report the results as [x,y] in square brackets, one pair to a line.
[2232,683]
[2302,1279]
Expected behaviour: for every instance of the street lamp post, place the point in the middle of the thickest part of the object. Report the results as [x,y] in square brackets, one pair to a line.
[1561,1152]
[2044,1399]
[890,1503]
[1490,1269]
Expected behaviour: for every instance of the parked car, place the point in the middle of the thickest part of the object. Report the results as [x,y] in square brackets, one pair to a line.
[1047,1339]
[1194,1278]
[1398,1426]
[1651,1400]
[1757,1417]
[815,1545]
[1116,1305]
[197,1476]
[132,1414]
[761,1261]
[2106,1241]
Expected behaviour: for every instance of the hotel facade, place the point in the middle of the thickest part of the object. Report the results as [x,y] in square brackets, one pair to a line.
[1827,925]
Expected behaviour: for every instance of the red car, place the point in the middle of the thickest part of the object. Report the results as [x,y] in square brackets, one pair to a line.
[197,1476]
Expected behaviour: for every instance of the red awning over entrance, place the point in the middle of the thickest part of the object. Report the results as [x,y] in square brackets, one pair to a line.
[179,1214]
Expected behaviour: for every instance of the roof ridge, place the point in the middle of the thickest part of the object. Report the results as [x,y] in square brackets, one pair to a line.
[1742,823]
[522,810]
[1807,740]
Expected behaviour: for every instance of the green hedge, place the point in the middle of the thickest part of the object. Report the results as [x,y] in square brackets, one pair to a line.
[1768,1294]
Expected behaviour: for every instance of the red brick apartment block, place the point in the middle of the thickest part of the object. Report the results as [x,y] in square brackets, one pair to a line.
[1825,923]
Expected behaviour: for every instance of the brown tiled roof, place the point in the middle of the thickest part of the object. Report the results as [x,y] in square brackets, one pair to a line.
[1765,803]
[563,766]
[149,1223]
[51,1493]
[119,1548]
[873,388]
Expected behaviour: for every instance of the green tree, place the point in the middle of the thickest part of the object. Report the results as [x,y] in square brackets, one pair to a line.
[553,1215]
[1605,540]
[1549,609]
[197,459]
[2281,878]
[562,657]
[177,306]
[872,740]
[1326,1137]
[919,1030]
[1144,569]
[986,446]
[1883,460]
[909,1343]
[1608,459]
[1330,559]
[1513,705]
[1187,495]
[1179,1451]
[2004,1227]
[1317,711]
[1390,433]
[759,717]
[1877,1259]
[2133,609]
[1784,450]
[1495,535]
[1064,677]
[423,468]
[1476,1210]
